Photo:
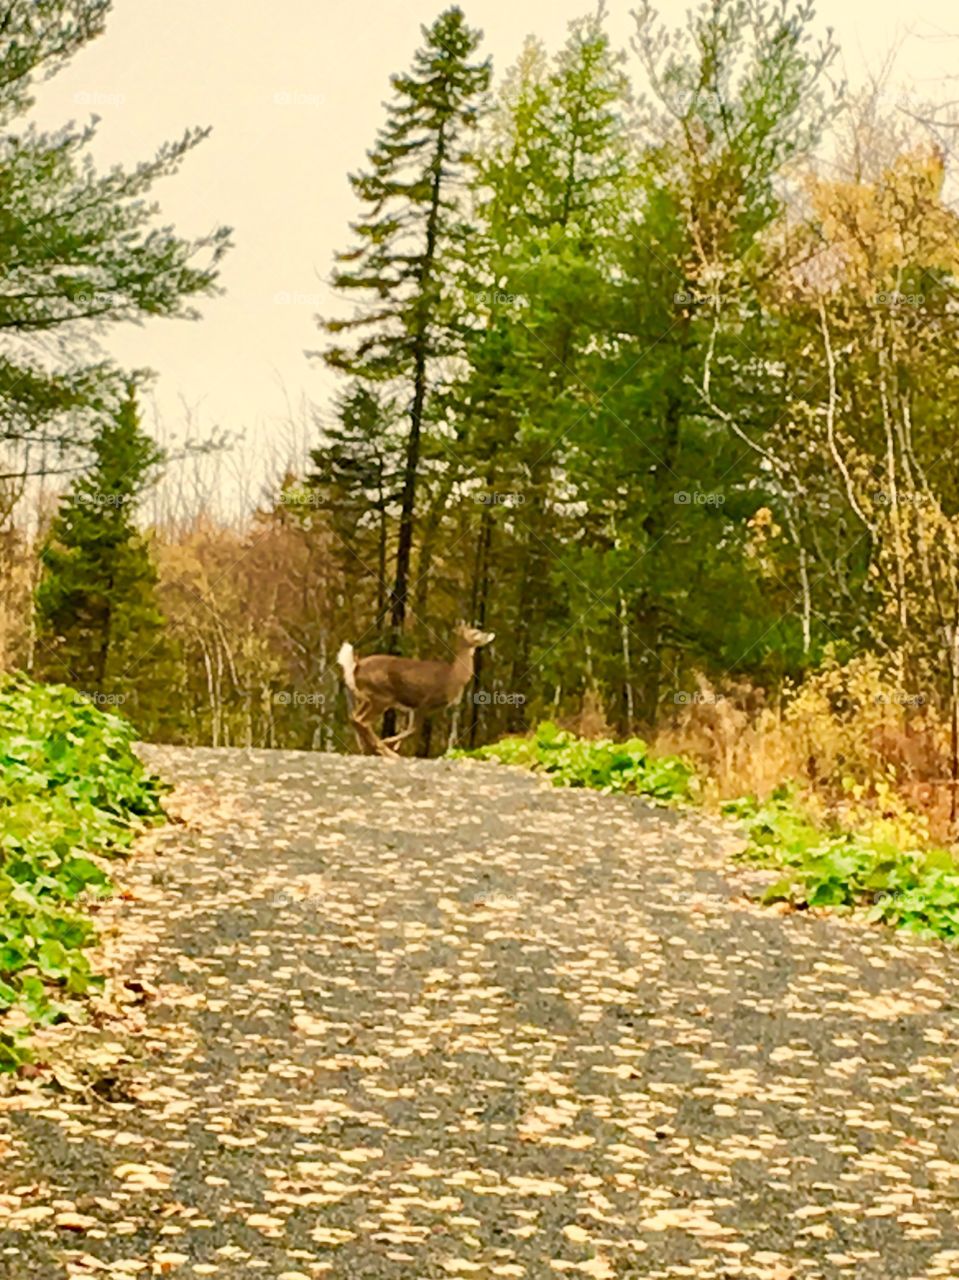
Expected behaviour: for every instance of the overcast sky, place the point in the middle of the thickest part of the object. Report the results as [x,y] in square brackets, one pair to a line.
[293,90]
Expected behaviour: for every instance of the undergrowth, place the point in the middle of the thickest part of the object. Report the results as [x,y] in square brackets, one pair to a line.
[601,764]
[915,889]
[72,793]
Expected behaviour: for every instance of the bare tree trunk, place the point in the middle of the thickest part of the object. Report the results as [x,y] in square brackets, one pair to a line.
[211,692]
[627,662]
[954,727]
[411,466]
[36,574]
[954,713]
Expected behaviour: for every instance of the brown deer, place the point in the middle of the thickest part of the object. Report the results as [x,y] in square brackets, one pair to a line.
[383,681]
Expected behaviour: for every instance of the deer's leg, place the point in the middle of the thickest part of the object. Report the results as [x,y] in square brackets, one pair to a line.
[360,716]
[411,726]
[382,746]
[366,711]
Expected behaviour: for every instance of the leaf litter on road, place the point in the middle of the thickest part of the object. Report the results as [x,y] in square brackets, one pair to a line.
[440,1019]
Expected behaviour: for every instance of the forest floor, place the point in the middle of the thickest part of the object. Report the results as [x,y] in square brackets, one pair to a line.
[434,1019]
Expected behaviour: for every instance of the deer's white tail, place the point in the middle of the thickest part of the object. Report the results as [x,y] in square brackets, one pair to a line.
[347,660]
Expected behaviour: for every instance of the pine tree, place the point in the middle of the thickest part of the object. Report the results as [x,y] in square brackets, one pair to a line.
[738,100]
[550,187]
[98,623]
[401,265]
[356,480]
[77,248]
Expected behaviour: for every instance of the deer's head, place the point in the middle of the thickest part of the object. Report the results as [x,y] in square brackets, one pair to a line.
[472,636]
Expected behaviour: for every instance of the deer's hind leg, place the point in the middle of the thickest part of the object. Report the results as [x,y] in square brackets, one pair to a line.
[412,725]
[362,713]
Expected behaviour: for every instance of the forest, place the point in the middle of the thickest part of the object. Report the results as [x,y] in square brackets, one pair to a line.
[634,481]
[646,363]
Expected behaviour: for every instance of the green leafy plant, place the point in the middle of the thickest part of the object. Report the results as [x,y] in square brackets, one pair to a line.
[602,765]
[72,792]
[914,889]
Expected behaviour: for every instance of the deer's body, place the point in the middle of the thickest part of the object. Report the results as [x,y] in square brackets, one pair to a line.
[382,682]
[412,684]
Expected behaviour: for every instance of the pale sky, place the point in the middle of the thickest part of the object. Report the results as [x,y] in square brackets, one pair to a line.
[293,90]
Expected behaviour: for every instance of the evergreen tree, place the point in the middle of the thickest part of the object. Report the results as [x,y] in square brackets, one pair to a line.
[356,479]
[401,265]
[77,248]
[98,623]
[551,185]
[669,485]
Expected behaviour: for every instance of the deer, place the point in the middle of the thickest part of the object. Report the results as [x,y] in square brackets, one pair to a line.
[382,682]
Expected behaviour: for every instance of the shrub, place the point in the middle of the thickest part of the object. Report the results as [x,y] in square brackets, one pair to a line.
[915,889]
[600,764]
[864,747]
[72,792]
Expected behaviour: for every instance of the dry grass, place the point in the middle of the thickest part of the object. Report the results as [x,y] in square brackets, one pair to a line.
[590,721]
[739,743]
[857,745]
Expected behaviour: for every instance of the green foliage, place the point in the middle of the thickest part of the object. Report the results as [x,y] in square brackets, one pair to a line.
[97,616]
[601,765]
[912,889]
[550,185]
[78,248]
[566,333]
[356,480]
[412,219]
[411,213]
[71,792]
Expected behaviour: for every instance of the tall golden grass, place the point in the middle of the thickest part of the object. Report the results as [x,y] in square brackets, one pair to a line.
[855,743]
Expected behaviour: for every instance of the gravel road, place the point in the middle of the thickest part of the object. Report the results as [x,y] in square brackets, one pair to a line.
[437,1019]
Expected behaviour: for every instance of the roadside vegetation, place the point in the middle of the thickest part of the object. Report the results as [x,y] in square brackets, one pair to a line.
[72,796]
[601,764]
[825,866]
[841,831]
